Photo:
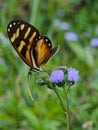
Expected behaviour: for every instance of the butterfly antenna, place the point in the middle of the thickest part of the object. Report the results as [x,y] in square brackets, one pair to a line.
[28,89]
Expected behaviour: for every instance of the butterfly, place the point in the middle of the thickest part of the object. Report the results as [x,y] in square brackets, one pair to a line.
[34,49]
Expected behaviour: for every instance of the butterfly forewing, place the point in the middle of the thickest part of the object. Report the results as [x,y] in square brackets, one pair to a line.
[22,35]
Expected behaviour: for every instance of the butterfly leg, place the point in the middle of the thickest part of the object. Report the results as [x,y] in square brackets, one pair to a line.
[30,71]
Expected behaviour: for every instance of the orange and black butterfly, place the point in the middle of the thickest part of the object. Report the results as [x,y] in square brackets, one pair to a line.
[34,49]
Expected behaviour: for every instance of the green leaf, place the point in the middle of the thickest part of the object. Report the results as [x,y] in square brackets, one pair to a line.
[83,53]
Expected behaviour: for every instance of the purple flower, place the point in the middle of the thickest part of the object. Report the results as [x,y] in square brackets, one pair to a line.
[56,76]
[94,42]
[60,12]
[70,36]
[61,25]
[73,75]
[64,26]
[57,22]
[63,67]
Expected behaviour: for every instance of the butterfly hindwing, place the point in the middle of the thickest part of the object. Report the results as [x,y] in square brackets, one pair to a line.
[43,50]
[22,35]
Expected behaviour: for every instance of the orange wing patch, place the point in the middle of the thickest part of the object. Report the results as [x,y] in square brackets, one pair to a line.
[42,52]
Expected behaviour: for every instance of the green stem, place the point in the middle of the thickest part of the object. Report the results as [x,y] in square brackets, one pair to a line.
[62,105]
[67,107]
[34,12]
[67,110]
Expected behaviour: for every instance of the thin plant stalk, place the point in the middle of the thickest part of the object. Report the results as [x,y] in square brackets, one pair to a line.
[66,92]
[67,110]
[61,102]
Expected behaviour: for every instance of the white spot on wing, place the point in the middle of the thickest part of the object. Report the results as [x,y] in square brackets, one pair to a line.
[14,23]
[39,37]
[49,44]
[8,29]
[46,40]
[10,25]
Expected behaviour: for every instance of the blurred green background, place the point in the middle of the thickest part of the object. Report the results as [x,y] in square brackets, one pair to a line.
[72,24]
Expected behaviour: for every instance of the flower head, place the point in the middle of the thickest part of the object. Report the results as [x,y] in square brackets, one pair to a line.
[73,75]
[57,22]
[61,25]
[94,42]
[56,76]
[64,26]
[71,36]
[63,67]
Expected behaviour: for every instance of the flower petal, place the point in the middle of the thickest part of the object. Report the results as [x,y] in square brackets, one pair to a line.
[73,75]
[56,76]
